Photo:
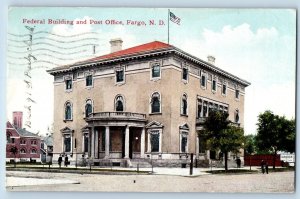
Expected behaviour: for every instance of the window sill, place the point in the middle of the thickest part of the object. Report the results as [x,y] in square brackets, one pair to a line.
[203,87]
[184,115]
[184,81]
[155,113]
[69,120]
[155,79]
[183,154]
[68,90]
[89,87]
[153,153]
[119,83]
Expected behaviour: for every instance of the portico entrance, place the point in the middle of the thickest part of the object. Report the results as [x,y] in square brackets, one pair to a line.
[115,135]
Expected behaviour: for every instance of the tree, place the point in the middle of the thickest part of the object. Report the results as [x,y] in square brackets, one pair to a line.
[221,135]
[275,133]
[288,137]
[250,147]
[14,151]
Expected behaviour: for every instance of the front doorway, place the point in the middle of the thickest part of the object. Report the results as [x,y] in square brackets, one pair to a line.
[134,142]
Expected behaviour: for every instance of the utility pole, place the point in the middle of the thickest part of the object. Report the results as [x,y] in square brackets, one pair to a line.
[191,165]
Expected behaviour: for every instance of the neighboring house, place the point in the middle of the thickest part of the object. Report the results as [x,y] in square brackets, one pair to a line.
[148,101]
[27,144]
[47,148]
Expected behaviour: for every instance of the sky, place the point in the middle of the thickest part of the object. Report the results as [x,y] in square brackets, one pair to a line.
[258,45]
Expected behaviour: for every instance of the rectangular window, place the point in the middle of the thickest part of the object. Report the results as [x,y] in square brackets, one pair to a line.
[204,110]
[86,143]
[183,144]
[226,109]
[68,84]
[103,142]
[199,110]
[202,144]
[12,140]
[156,70]
[185,74]
[224,89]
[203,81]
[154,142]
[214,85]
[210,108]
[67,143]
[8,140]
[89,80]
[237,94]
[120,76]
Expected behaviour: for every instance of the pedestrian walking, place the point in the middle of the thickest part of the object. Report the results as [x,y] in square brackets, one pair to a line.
[59,161]
[267,168]
[66,161]
[238,163]
[262,164]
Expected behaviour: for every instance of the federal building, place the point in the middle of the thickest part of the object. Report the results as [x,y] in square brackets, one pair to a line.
[148,102]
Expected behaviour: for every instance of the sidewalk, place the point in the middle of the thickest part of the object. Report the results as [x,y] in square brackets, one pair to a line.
[156,170]
[21,181]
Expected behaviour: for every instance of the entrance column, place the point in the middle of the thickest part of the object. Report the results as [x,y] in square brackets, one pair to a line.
[93,143]
[96,144]
[89,143]
[207,154]
[197,146]
[148,140]
[143,143]
[106,142]
[127,142]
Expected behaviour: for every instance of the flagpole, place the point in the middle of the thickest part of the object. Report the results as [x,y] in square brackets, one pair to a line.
[168,26]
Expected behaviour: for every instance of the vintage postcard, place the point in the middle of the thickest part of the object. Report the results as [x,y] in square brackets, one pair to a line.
[151,99]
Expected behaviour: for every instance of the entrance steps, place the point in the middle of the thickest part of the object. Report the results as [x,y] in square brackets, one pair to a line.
[141,163]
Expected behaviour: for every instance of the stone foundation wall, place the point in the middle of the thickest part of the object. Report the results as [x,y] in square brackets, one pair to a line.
[169,163]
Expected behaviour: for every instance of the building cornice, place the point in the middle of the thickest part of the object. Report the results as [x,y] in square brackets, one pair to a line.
[128,57]
[209,66]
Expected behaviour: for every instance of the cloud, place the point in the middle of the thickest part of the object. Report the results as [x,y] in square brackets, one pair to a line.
[69,30]
[129,39]
[42,91]
[264,57]
[279,98]
[42,94]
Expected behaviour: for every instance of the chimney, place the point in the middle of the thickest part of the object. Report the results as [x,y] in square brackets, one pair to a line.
[17,119]
[115,45]
[211,59]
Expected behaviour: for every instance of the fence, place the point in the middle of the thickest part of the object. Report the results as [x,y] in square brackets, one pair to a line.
[255,160]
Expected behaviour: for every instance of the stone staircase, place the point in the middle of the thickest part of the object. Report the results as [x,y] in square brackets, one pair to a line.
[141,163]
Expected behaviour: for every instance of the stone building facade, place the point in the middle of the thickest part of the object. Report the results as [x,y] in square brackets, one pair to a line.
[147,102]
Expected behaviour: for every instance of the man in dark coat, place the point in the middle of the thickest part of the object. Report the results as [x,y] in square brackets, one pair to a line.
[66,161]
[267,168]
[262,164]
[59,161]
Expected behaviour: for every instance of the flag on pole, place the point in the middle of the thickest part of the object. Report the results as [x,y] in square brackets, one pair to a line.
[174,19]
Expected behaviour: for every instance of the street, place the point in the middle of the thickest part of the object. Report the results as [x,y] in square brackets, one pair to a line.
[256,183]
